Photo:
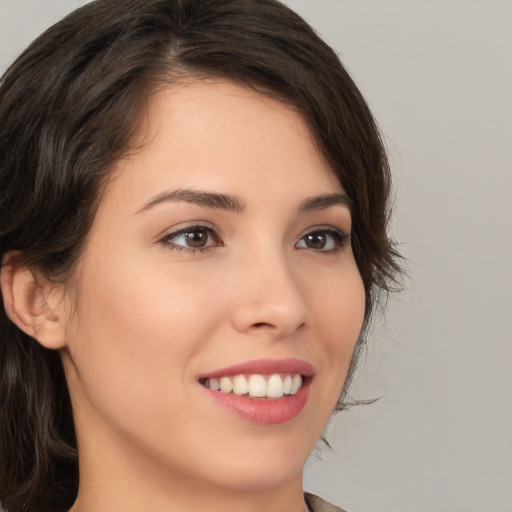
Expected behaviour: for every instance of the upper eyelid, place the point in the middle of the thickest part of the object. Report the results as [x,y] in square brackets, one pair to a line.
[174,231]
[167,238]
[340,238]
[325,227]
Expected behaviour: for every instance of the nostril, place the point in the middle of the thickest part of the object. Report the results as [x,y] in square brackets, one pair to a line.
[267,325]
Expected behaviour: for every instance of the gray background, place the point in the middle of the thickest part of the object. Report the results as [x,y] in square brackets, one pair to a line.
[438,76]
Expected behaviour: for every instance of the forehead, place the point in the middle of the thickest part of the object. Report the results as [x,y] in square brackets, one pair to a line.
[213,133]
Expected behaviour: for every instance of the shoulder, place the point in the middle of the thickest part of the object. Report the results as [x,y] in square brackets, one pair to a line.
[317,504]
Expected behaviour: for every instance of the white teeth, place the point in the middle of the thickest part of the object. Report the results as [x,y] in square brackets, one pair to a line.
[226,386]
[257,386]
[296,384]
[275,387]
[287,385]
[214,384]
[240,386]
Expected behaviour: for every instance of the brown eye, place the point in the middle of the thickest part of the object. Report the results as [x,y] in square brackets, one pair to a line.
[196,238]
[192,238]
[316,240]
[327,240]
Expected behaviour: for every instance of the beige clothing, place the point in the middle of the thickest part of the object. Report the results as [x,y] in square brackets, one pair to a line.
[317,504]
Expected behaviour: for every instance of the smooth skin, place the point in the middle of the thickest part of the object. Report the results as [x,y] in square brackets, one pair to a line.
[171,287]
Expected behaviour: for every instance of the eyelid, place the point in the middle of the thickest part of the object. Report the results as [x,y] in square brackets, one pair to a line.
[198,225]
[185,226]
[325,227]
[328,229]
[344,238]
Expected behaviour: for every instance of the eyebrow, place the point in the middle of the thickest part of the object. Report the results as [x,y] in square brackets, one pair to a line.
[236,204]
[324,201]
[208,199]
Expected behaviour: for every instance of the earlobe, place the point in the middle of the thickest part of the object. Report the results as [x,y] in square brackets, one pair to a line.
[31,303]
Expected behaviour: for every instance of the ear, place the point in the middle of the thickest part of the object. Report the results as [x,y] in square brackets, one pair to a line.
[34,304]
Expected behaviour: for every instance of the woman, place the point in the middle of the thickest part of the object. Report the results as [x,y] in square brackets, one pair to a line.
[194,203]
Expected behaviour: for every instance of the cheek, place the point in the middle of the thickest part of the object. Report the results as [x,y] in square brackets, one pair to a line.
[339,304]
[339,319]
[141,332]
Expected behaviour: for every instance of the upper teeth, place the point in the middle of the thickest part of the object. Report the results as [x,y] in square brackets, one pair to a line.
[272,386]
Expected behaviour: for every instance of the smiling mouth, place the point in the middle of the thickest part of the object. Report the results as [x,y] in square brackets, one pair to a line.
[277,385]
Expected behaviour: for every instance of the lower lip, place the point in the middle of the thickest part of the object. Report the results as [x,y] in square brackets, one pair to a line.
[263,411]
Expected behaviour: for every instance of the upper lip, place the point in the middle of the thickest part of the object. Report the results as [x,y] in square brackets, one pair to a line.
[264,367]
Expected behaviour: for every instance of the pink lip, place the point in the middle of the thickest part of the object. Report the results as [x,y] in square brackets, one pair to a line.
[264,411]
[264,367]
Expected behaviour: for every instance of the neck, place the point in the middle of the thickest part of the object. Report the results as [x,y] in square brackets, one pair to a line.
[185,496]
[112,481]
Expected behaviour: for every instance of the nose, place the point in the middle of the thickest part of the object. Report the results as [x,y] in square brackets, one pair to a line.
[269,298]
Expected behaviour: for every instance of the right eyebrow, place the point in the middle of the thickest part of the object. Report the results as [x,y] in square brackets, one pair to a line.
[324,201]
[202,198]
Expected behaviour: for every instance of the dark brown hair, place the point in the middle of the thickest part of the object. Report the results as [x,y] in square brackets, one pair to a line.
[67,112]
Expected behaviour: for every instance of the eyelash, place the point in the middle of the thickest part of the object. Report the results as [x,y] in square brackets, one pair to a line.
[339,239]
[167,239]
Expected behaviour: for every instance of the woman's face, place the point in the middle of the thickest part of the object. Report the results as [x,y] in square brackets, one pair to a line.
[219,256]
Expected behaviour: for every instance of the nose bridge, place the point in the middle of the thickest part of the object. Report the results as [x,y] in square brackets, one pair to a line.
[270,296]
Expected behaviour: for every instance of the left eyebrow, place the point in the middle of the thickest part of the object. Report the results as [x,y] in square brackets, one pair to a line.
[324,201]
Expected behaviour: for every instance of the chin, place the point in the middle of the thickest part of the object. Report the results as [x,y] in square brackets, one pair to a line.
[264,464]
[272,474]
